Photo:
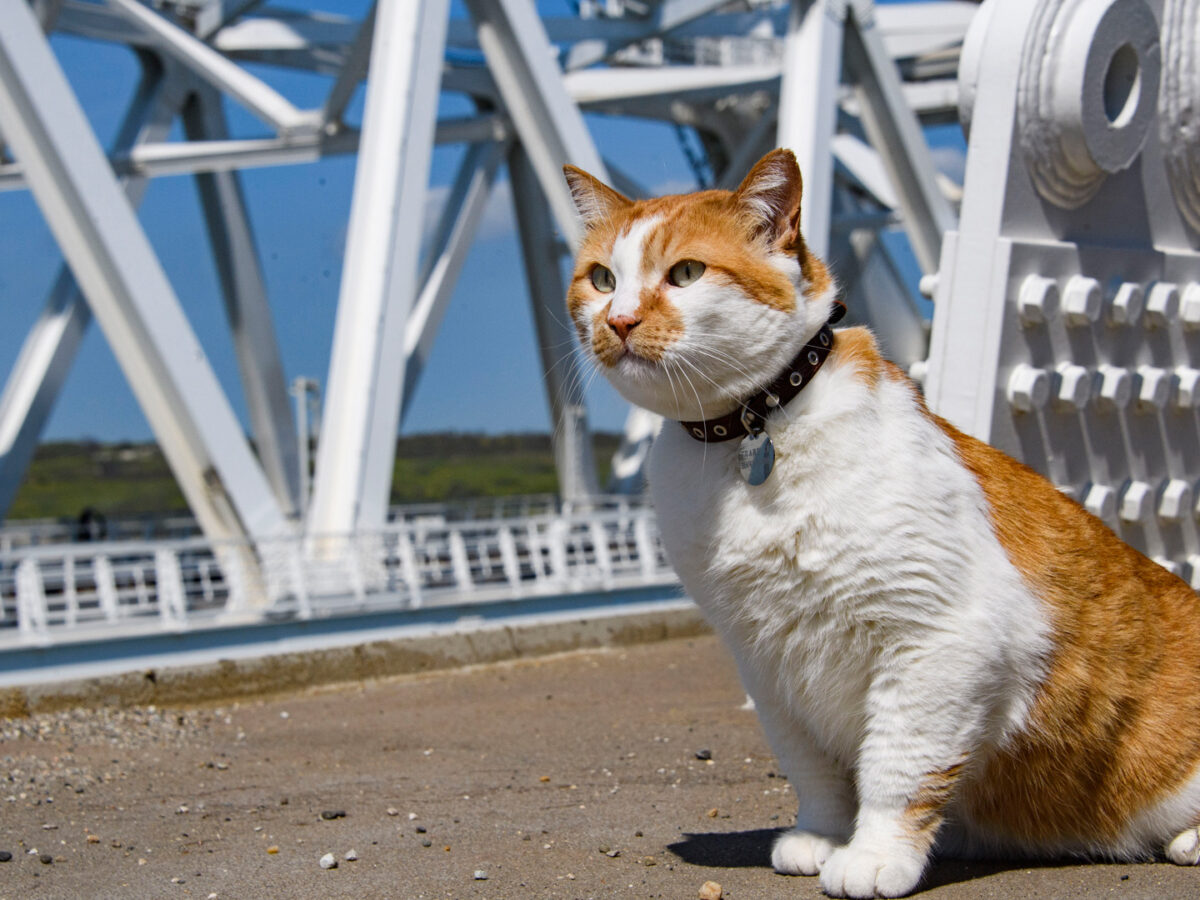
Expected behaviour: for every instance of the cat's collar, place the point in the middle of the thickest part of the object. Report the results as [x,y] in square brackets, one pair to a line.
[750,416]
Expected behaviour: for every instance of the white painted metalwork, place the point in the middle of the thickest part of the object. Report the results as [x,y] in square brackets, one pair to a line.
[73,592]
[126,288]
[1068,302]
[725,74]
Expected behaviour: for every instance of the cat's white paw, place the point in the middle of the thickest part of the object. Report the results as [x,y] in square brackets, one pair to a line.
[868,872]
[1184,849]
[800,853]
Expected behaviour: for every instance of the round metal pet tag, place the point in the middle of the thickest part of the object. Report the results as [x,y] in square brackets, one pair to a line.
[756,457]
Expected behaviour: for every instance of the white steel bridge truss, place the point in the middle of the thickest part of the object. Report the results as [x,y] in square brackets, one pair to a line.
[819,76]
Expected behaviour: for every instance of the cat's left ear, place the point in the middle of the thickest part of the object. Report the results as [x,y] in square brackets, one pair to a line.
[594,199]
[771,195]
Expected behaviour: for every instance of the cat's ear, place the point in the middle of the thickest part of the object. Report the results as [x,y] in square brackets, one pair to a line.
[594,199]
[770,194]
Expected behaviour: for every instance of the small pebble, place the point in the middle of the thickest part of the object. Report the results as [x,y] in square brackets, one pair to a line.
[351,856]
[330,814]
[426,843]
[420,829]
[392,811]
[93,838]
[712,813]
[328,862]
[710,890]
[46,859]
[704,754]
[177,880]
[649,861]
[5,856]
[612,854]
[480,875]
[273,849]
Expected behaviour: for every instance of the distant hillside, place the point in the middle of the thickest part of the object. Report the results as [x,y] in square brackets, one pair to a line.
[130,479]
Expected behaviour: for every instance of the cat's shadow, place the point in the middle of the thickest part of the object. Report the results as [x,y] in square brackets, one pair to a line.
[752,849]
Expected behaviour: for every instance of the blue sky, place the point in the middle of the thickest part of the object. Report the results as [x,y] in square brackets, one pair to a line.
[300,214]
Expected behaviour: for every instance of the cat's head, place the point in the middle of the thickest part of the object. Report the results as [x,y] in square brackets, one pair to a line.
[689,304]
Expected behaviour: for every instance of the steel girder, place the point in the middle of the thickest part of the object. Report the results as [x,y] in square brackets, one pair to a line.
[529,117]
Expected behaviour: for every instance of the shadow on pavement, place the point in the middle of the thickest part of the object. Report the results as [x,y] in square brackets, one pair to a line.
[727,850]
[752,849]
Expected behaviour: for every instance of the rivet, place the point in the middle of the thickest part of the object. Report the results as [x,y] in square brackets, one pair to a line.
[772,400]
[720,430]
[813,357]
[1136,502]
[1162,304]
[1028,388]
[1100,500]
[698,432]
[1154,390]
[1037,300]
[1176,501]
[1081,301]
[824,339]
[795,378]
[1074,386]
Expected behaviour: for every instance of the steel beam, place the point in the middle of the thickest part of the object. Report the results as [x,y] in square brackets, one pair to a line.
[379,281]
[549,124]
[127,289]
[49,349]
[556,339]
[893,129]
[448,251]
[236,255]
[808,95]
[354,70]
[258,97]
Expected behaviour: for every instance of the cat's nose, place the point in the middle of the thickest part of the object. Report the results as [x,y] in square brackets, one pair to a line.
[622,325]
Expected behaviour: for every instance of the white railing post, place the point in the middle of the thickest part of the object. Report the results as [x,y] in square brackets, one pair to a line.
[458,560]
[31,600]
[508,556]
[172,606]
[409,570]
[106,587]
[70,595]
[647,554]
[557,534]
[600,547]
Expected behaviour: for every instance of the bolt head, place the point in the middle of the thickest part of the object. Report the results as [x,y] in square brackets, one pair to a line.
[1028,388]
[1127,304]
[1136,502]
[1081,301]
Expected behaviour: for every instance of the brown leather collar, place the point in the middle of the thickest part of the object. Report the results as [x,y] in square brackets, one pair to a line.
[750,416]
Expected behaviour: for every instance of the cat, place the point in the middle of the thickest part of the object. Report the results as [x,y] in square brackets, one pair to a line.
[945,651]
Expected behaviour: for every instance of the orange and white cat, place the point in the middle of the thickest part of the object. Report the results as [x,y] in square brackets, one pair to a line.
[944,650]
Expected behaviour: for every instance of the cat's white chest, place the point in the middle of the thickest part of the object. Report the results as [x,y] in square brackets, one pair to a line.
[868,535]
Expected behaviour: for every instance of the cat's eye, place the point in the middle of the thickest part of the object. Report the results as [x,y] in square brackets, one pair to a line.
[685,272]
[603,280]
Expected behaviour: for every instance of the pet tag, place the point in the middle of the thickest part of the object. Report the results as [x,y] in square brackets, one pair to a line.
[756,457]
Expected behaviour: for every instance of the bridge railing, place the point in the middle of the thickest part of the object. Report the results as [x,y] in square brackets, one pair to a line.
[70,592]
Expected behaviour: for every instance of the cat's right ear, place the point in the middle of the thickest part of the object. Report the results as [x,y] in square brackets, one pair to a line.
[594,199]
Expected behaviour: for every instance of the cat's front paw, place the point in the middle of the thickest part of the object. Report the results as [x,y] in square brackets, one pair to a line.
[800,853]
[852,871]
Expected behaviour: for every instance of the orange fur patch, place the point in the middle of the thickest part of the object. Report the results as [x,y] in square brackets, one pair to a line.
[1116,724]
[857,347]
[923,813]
